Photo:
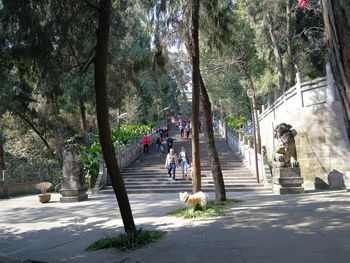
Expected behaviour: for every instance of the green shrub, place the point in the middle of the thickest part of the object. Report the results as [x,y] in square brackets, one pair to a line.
[235,122]
[90,158]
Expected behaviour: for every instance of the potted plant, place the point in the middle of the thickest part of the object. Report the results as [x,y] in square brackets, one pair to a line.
[43,187]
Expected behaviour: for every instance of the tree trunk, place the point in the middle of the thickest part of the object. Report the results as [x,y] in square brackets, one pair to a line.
[26,120]
[337,25]
[101,57]
[220,193]
[277,55]
[196,169]
[58,140]
[289,47]
[255,111]
[83,125]
[2,156]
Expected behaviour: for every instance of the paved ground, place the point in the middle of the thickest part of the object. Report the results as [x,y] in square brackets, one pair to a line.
[264,228]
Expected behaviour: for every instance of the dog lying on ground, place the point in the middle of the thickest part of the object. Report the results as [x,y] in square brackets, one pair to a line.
[191,201]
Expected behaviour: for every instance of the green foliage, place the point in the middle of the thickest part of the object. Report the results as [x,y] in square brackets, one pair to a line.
[129,241]
[90,158]
[236,123]
[249,137]
[214,209]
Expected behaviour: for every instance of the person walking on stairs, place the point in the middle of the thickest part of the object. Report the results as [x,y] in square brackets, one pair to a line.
[171,162]
[187,130]
[169,143]
[146,143]
[159,145]
[184,162]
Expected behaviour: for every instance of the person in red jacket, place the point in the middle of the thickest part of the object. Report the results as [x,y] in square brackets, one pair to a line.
[146,143]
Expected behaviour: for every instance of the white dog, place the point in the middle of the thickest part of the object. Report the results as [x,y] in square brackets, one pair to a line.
[192,200]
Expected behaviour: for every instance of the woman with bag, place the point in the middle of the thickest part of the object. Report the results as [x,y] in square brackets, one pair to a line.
[184,162]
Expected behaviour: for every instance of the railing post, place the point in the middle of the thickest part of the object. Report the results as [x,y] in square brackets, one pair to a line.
[298,89]
[330,84]
[5,180]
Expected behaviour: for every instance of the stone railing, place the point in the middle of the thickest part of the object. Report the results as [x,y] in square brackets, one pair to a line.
[242,146]
[314,110]
[23,185]
[125,156]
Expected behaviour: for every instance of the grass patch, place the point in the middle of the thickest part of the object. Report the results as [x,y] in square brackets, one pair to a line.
[214,209]
[130,241]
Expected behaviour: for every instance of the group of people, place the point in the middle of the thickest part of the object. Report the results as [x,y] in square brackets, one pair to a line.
[172,161]
[159,144]
[185,129]
[163,132]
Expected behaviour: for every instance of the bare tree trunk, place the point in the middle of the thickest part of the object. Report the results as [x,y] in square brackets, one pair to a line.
[83,125]
[289,47]
[255,111]
[196,169]
[2,155]
[101,57]
[337,24]
[220,192]
[58,140]
[32,126]
[277,55]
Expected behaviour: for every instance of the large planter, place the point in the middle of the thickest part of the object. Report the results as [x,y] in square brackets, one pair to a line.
[44,198]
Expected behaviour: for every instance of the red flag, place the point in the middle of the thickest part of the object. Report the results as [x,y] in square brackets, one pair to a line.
[302,4]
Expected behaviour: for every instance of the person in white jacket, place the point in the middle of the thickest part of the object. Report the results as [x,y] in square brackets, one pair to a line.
[171,162]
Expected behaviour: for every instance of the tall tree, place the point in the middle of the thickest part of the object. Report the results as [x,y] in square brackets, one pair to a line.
[289,43]
[220,193]
[276,52]
[196,169]
[336,16]
[101,58]
[2,152]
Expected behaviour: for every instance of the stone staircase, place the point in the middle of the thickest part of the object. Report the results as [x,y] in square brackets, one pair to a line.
[150,176]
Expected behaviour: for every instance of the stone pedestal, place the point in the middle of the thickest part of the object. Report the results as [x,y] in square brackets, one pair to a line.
[336,180]
[73,183]
[287,180]
[347,180]
[73,191]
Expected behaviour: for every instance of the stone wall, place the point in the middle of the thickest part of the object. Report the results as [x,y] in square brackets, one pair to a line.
[315,112]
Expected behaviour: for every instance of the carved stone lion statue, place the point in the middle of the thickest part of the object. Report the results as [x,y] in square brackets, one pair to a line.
[285,150]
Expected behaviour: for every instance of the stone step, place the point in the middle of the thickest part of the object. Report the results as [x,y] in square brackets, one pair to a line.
[150,176]
[179,182]
[161,166]
[164,178]
[142,174]
[188,188]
